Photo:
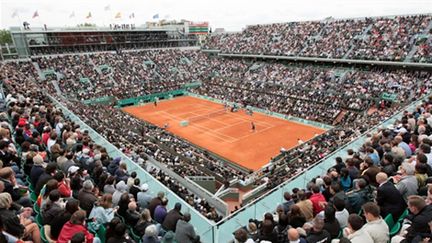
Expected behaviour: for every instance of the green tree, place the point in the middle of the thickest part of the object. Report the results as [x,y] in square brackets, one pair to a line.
[5,37]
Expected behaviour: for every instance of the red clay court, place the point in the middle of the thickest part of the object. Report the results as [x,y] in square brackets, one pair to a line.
[227,134]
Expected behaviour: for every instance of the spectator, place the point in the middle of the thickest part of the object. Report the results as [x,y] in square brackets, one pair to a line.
[288,202]
[120,234]
[317,232]
[421,215]
[331,224]
[121,188]
[389,199]
[305,205]
[132,215]
[376,227]
[406,182]
[63,184]
[73,226]
[78,238]
[161,211]
[294,236]
[317,199]
[37,169]
[241,236]
[150,235]
[296,217]
[361,194]
[266,232]
[103,212]
[170,221]
[155,202]
[52,207]
[135,188]
[355,233]
[72,205]
[86,196]
[18,226]
[144,222]
[143,197]
[341,212]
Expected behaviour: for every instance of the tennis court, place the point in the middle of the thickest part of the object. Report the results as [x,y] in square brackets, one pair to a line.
[228,134]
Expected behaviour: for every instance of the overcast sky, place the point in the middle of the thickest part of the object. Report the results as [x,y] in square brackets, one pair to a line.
[233,15]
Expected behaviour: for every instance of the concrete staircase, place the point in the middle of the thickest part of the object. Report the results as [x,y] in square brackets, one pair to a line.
[56,87]
[94,66]
[414,39]
[39,71]
[361,36]
[312,38]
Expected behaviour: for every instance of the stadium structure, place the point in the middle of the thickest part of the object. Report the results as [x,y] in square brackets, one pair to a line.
[226,126]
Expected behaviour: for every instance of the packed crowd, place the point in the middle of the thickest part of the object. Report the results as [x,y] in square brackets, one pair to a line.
[390,39]
[424,52]
[310,92]
[124,75]
[380,192]
[57,184]
[384,38]
[307,91]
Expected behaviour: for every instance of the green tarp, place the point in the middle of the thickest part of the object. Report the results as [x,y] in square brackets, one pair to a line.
[150,97]
[100,100]
[389,97]
[84,80]
[191,85]
[104,67]
[48,72]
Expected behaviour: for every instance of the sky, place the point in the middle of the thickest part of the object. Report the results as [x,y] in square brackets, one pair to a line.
[233,15]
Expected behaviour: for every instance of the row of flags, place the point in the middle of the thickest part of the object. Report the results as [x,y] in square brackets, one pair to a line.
[118,15]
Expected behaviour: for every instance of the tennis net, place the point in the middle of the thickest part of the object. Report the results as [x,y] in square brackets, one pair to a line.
[205,116]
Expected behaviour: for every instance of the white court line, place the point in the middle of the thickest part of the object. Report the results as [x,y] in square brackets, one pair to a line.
[235,139]
[211,118]
[204,129]
[252,133]
[234,124]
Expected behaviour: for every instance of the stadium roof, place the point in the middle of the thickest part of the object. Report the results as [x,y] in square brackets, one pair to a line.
[222,13]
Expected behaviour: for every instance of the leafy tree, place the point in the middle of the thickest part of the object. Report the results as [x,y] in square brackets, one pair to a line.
[5,37]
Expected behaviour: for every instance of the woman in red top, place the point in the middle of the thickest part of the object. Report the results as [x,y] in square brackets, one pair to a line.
[74,225]
[63,185]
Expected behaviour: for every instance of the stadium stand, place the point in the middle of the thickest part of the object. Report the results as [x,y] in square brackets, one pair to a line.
[380,190]
[381,38]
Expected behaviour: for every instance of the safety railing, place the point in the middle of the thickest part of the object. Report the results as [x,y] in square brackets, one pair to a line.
[269,201]
[203,226]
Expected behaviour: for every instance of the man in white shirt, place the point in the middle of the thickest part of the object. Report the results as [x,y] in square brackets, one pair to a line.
[375,226]
[341,212]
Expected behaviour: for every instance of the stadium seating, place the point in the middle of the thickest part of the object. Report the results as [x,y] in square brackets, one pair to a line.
[350,99]
[381,38]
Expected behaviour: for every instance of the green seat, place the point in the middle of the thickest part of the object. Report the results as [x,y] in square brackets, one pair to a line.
[101,233]
[33,197]
[31,187]
[389,221]
[28,180]
[340,234]
[395,229]
[36,208]
[134,236]
[39,220]
[403,216]
[120,217]
[43,236]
